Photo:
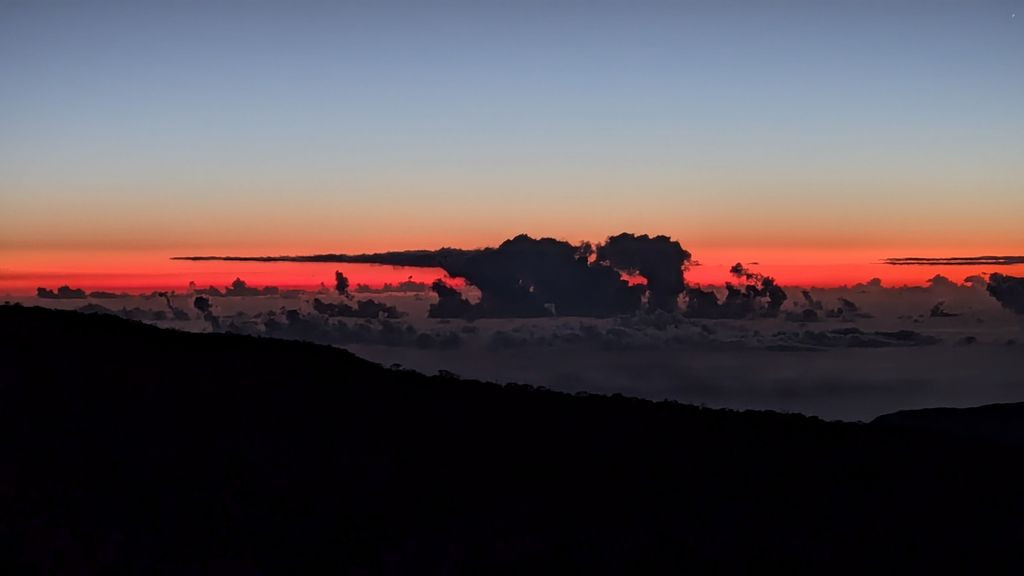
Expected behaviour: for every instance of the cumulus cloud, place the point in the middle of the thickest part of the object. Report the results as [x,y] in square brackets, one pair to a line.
[450,303]
[340,283]
[660,260]
[1008,291]
[406,286]
[760,296]
[64,292]
[529,277]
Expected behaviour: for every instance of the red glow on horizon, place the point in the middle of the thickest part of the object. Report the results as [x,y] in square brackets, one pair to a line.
[133,272]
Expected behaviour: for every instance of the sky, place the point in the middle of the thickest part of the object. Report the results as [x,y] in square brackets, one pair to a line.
[819,136]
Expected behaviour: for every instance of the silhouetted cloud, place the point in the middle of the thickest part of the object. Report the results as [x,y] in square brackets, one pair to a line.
[406,286]
[238,289]
[211,291]
[450,303]
[205,307]
[1008,290]
[340,283]
[65,292]
[441,258]
[528,277]
[940,282]
[976,281]
[957,261]
[202,304]
[760,296]
[939,311]
[660,260]
[176,313]
[363,309]
[809,300]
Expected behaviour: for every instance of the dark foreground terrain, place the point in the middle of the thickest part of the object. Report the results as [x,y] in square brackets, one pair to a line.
[125,448]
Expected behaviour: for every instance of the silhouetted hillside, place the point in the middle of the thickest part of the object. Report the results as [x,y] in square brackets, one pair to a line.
[131,449]
[994,423]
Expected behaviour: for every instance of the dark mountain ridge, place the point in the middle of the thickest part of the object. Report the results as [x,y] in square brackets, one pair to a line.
[133,449]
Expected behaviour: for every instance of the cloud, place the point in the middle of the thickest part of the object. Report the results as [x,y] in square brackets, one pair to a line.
[660,260]
[205,307]
[526,277]
[450,303]
[940,282]
[976,281]
[363,309]
[1008,291]
[65,292]
[406,286]
[529,277]
[761,295]
[850,338]
[957,261]
[176,313]
[340,283]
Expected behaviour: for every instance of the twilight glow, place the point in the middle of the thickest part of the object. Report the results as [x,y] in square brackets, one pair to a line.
[816,139]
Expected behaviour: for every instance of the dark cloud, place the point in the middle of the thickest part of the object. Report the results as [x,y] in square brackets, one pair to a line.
[976,281]
[450,303]
[442,258]
[660,260]
[211,291]
[176,313]
[363,309]
[202,304]
[205,307]
[340,283]
[957,261]
[940,282]
[238,289]
[939,311]
[810,301]
[849,338]
[528,277]
[760,296]
[702,303]
[1008,290]
[65,292]
[406,286]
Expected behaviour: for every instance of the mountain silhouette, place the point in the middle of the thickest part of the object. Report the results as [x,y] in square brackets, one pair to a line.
[132,449]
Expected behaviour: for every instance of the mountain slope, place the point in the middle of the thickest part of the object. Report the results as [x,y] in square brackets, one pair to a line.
[131,449]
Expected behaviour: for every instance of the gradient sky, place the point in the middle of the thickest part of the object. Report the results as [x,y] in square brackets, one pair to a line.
[744,129]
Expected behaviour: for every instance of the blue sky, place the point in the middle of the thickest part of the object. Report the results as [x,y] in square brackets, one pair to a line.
[309,123]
